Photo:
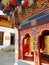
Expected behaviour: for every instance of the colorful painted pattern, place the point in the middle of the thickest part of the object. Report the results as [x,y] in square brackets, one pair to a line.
[33,31]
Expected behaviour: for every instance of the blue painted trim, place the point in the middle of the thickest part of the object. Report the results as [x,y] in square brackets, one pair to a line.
[26,25]
[42,19]
[39,20]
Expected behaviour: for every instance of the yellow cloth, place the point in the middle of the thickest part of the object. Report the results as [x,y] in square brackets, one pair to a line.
[4,2]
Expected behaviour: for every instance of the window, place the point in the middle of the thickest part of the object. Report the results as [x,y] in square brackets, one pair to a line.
[1,38]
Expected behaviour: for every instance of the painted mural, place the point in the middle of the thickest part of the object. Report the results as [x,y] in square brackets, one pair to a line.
[34,36]
[34,31]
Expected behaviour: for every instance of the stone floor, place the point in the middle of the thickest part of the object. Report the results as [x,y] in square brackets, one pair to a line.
[7,57]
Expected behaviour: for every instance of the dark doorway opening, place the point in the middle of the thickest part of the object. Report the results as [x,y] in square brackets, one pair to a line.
[1,38]
[12,39]
[44,46]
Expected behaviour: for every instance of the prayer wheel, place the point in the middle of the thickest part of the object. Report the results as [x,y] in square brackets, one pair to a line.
[46,41]
[31,44]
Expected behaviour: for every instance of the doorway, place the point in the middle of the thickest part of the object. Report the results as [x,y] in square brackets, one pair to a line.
[44,46]
[1,38]
[28,47]
[12,39]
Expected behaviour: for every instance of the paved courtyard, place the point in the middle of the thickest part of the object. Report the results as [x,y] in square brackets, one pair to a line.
[7,57]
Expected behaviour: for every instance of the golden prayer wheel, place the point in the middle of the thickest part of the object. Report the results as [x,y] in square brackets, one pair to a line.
[46,41]
[31,44]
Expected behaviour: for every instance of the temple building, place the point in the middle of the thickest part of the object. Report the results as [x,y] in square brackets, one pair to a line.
[30,20]
[7,33]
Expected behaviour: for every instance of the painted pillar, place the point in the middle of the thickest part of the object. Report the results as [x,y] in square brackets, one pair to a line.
[16,46]
[46,41]
[36,54]
[23,54]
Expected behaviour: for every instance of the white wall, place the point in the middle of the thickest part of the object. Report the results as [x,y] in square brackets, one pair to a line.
[5,41]
[7,33]
[4,29]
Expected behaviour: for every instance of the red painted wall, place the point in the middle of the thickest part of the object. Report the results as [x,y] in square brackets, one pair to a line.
[33,31]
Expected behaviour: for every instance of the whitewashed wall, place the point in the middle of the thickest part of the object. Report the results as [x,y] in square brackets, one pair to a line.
[7,32]
[5,41]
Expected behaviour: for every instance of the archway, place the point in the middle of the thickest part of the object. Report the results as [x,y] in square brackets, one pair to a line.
[28,47]
[43,41]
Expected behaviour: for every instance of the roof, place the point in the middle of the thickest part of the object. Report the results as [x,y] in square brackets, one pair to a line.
[9,6]
[3,17]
